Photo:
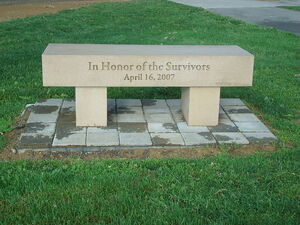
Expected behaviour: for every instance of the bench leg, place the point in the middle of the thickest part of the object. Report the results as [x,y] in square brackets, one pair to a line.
[91,106]
[200,106]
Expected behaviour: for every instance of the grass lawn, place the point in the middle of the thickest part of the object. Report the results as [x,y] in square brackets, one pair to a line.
[297,8]
[258,189]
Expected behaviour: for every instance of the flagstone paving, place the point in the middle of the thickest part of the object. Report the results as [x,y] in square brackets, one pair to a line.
[136,123]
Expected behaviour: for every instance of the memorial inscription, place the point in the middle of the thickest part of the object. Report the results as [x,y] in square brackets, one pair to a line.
[199,70]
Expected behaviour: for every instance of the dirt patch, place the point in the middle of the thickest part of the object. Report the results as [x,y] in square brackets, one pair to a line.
[8,12]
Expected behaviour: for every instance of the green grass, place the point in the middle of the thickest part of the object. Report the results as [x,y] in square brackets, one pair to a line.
[258,189]
[296,8]
[261,189]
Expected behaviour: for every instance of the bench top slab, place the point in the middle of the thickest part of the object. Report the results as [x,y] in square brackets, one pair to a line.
[145,50]
[102,65]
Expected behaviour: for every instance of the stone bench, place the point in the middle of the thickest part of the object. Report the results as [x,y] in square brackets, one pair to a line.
[199,70]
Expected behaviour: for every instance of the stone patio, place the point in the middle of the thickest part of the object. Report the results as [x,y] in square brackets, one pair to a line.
[134,123]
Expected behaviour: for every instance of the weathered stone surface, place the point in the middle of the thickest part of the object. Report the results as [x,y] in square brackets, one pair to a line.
[260,137]
[173,103]
[128,102]
[65,129]
[72,139]
[231,101]
[40,128]
[29,140]
[236,109]
[102,139]
[184,128]
[177,115]
[132,127]
[252,127]
[111,128]
[243,117]
[135,139]
[130,110]
[162,127]
[202,138]
[163,139]
[41,113]
[111,105]
[130,118]
[49,102]
[159,118]
[224,126]
[69,103]
[230,138]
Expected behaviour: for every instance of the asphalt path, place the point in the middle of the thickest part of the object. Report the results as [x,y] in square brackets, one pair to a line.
[265,13]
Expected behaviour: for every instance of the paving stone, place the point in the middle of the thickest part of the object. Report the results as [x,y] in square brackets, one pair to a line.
[261,137]
[65,130]
[236,109]
[223,117]
[230,137]
[128,102]
[40,128]
[224,126]
[111,105]
[68,103]
[231,101]
[177,116]
[72,139]
[67,115]
[173,103]
[159,118]
[162,127]
[163,139]
[156,110]
[45,114]
[132,127]
[111,128]
[221,110]
[130,110]
[49,102]
[183,127]
[252,127]
[202,138]
[130,118]
[111,118]
[102,139]
[154,103]
[243,117]
[29,140]
[135,139]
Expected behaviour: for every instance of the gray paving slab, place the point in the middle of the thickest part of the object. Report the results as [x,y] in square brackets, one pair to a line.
[72,139]
[184,128]
[230,138]
[159,118]
[111,128]
[130,118]
[68,103]
[231,101]
[163,139]
[40,128]
[236,109]
[135,139]
[111,105]
[132,127]
[49,102]
[252,127]
[177,116]
[154,103]
[162,127]
[224,126]
[173,103]
[128,102]
[243,117]
[203,138]
[102,139]
[45,114]
[260,137]
[29,140]
[130,110]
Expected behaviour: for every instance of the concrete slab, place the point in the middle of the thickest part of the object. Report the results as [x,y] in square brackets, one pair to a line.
[130,118]
[163,139]
[135,139]
[177,115]
[49,102]
[128,102]
[40,128]
[252,127]
[159,118]
[236,109]
[102,139]
[184,128]
[203,138]
[45,114]
[243,117]
[111,128]
[173,103]
[72,139]
[162,127]
[132,127]
[230,138]
[224,126]
[130,110]
[260,137]
[29,140]
[231,101]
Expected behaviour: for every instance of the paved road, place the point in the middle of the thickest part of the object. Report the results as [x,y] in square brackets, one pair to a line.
[258,12]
